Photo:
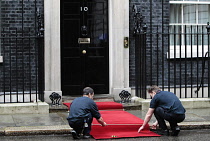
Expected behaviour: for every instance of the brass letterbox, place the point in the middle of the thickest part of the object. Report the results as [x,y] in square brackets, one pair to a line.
[84,40]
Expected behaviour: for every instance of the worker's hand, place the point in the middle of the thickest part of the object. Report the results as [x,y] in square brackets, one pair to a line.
[101,121]
[154,125]
[141,128]
[104,124]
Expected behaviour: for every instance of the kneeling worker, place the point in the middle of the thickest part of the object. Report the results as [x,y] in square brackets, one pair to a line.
[82,111]
[165,106]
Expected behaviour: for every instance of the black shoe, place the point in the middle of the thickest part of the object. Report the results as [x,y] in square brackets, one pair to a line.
[75,135]
[175,132]
[86,136]
[163,132]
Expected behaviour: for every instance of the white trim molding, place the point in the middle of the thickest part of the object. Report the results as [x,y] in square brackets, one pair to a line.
[119,56]
[52,48]
[189,2]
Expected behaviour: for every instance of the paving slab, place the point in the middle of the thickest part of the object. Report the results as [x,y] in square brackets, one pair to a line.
[38,119]
[194,117]
[56,123]
[7,120]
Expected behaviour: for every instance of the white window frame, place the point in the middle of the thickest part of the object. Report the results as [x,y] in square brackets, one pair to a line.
[193,51]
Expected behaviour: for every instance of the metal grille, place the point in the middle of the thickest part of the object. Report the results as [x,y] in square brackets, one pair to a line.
[176,60]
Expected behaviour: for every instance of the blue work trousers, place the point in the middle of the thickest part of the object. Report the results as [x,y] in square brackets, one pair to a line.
[162,115]
[81,125]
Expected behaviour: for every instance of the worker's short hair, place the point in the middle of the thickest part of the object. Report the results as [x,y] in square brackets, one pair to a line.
[88,90]
[153,88]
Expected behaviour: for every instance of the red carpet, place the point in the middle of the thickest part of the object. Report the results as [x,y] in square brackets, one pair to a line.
[120,124]
[104,105]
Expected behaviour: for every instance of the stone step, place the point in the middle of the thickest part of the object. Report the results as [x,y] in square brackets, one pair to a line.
[97,98]
[126,106]
[69,99]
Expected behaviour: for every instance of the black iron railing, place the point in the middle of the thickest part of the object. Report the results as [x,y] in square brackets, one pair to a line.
[176,61]
[22,67]
[22,50]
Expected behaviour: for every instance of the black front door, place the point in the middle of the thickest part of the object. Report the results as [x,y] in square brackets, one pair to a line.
[84,46]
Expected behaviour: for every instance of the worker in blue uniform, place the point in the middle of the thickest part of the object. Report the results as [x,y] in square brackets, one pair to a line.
[82,111]
[165,106]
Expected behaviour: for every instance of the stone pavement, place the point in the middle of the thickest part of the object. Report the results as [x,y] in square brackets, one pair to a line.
[55,122]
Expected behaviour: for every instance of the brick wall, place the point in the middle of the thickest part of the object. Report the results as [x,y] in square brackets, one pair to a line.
[154,12]
[159,69]
[19,46]
[20,55]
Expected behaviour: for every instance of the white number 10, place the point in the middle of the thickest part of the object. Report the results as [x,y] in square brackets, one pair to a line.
[84,8]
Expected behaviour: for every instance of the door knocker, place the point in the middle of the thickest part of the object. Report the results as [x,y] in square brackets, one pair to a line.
[84,31]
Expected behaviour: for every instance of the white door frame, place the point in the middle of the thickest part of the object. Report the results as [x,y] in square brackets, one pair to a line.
[118,55]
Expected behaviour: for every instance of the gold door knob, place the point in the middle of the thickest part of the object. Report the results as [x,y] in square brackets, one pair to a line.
[84,52]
